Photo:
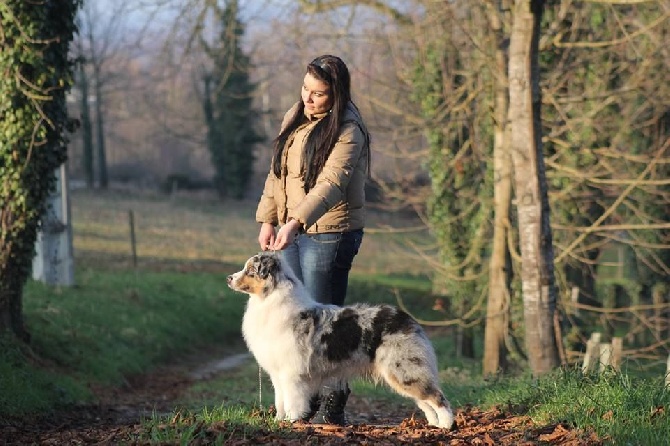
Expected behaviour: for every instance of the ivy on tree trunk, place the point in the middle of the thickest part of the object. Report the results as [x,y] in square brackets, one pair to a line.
[34,44]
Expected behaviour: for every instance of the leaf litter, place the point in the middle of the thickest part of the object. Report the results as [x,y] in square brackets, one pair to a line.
[116,419]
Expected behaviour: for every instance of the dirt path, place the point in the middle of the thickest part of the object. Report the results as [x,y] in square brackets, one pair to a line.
[116,420]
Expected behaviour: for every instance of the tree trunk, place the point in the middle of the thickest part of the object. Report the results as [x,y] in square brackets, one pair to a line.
[100,132]
[86,127]
[498,307]
[11,310]
[37,74]
[537,270]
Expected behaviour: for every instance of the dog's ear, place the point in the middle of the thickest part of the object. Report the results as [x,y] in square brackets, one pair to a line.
[268,265]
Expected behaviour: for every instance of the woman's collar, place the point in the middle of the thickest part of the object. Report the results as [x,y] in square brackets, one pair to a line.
[316,116]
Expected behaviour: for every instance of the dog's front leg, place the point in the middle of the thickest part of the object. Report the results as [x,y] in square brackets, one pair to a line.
[298,399]
[279,399]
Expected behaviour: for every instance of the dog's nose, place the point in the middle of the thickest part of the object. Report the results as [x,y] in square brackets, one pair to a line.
[229,279]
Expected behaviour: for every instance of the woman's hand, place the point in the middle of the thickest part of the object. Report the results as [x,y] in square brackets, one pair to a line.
[286,235]
[266,236]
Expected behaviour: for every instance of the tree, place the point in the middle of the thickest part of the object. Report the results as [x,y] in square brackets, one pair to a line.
[464,97]
[101,37]
[535,237]
[500,269]
[82,83]
[227,105]
[459,207]
[37,74]
[606,127]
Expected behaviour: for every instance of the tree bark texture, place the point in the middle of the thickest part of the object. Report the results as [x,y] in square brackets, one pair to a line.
[498,306]
[535,238]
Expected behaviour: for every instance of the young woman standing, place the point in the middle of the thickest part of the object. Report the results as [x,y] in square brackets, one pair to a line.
[313,204]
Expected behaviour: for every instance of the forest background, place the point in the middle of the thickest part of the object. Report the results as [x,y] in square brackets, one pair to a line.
[432,80]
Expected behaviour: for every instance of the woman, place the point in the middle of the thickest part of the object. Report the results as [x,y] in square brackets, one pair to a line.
[315,191]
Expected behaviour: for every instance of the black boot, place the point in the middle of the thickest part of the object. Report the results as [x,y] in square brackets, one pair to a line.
[314,403]
[334,407]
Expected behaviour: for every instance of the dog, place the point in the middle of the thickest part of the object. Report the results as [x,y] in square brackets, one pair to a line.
[303,344]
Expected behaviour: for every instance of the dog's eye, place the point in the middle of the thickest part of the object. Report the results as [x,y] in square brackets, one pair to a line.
[251,271]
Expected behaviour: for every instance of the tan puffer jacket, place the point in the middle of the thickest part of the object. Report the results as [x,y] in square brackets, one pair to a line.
[336,203]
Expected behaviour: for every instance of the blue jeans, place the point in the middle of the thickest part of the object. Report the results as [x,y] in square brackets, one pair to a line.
[323,261]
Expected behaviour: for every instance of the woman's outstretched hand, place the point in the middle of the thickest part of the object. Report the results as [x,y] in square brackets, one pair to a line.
[286,235]
[266,236]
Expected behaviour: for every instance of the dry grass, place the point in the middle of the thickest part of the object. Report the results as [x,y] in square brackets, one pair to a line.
[199,228]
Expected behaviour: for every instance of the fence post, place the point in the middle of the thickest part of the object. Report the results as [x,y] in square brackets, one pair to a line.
[592,356]
[605,358]
[133,243]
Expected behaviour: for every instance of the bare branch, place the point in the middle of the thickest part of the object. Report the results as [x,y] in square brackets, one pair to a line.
[318,6]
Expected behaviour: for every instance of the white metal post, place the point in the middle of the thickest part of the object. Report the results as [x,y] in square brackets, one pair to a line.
[53,263]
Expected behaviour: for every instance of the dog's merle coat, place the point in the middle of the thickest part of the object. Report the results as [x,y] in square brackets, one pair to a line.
[303,344]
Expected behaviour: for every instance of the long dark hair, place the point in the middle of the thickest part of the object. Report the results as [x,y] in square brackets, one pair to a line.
[320,141]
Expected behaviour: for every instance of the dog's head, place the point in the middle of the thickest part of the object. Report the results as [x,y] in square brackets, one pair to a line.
[259,276]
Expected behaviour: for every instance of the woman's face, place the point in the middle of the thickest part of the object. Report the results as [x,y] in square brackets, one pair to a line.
[316,95]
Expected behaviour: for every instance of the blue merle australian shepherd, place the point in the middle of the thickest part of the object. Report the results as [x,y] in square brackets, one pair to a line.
[303,344]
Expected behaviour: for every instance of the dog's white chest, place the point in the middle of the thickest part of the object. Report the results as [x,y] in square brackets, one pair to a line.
[270,337]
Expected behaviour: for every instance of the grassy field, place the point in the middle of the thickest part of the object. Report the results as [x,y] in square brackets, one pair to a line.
[203,229]
[121,319]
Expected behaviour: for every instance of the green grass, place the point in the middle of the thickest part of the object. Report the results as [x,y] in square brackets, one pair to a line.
[210,426]
[113,324]
[119,320]
[116,323]
[28,386]
[620,407]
